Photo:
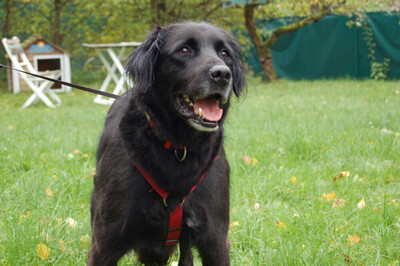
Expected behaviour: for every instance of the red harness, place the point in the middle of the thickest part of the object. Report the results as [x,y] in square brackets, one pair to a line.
[175,217]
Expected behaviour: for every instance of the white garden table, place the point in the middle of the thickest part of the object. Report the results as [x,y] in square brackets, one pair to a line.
[116,51]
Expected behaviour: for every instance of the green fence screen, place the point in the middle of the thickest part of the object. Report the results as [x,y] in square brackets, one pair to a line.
[331,49]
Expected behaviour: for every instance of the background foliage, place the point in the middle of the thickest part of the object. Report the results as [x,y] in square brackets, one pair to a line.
[69,23]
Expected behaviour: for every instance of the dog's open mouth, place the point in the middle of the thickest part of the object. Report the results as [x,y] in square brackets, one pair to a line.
[201,113]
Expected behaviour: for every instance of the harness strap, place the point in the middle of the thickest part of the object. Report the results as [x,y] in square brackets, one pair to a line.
[168,144]
[174,217]
[164,194]
[174,226]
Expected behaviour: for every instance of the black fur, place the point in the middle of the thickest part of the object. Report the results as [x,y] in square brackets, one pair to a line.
[125,213]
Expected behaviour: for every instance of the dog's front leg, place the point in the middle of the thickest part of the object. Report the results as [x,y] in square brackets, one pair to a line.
[105,249]
[215,251]
[97,257]
[185,248]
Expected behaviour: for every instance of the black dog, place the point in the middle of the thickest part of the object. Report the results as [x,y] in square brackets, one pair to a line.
[161,155]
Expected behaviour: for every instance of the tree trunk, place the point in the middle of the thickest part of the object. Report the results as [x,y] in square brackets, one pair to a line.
[263,47]
[263,50]
[158,11]
[7,18]
[57,38]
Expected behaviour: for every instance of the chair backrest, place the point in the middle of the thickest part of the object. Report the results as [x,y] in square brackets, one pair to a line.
[17,54]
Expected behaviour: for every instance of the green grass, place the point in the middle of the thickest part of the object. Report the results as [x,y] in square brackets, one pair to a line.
[308,130]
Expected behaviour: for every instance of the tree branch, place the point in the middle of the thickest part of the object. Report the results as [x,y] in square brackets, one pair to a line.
[278,32]
[208,14]
[251,25]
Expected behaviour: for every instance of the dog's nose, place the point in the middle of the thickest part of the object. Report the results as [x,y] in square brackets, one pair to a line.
[221,75]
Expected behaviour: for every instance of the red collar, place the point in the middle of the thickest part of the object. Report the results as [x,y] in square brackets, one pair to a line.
[175,217]
[168,144]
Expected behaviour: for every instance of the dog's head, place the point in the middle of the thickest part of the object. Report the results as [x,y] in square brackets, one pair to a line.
[193,68]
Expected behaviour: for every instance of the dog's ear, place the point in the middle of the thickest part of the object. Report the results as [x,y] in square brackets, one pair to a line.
[238,69]
[141,63]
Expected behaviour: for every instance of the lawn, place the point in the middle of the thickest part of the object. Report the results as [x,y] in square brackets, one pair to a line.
[315,175]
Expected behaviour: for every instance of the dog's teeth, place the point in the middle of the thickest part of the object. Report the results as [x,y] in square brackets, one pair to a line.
[200,112]
[186,98]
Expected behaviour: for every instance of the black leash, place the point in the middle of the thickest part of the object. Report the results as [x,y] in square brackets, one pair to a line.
[76,86]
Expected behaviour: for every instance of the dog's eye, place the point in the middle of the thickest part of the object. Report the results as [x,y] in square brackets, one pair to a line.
[224,54]
[184,51]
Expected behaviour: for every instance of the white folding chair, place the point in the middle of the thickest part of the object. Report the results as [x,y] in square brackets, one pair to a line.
[39,86]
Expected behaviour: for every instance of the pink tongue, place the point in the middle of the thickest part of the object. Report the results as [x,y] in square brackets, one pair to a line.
[209,109]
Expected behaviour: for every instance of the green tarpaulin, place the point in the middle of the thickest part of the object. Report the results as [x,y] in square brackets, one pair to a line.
[331,49]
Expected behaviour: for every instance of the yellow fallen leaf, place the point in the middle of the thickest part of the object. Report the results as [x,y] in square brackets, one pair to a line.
[63,246]
[338,203]
[236,223]
[281,225]
[75,152]
[351,240]
[344,174]
[246,159]
[43,251]
[293,180]
[49,193]
[329,197]
[254,161]
[361,205]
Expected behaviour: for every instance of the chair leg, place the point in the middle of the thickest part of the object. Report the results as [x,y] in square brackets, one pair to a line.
[35,97]
[54,96]
[38,93]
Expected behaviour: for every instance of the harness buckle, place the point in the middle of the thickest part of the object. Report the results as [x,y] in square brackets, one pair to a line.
[165,202]
[166,205]
[184,154]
